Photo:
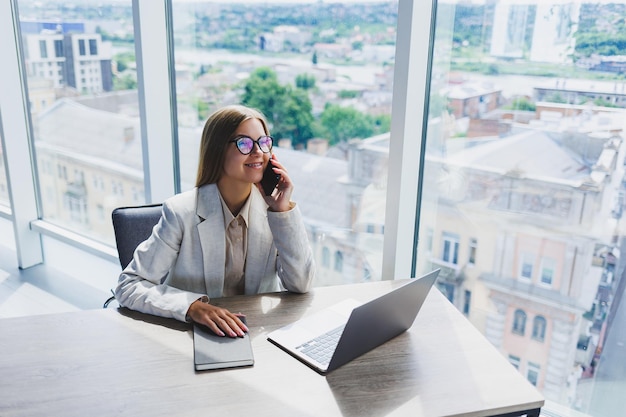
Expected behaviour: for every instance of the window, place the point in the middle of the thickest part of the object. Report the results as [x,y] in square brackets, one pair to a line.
[532,373]
[526,266]
[547,271]
[69,130]
[58,48]
[473,245]
[467,302]
[522,142]
[539,328]
[515,361]
[76,204]
[338,261]
[62,172]
[450,251]
[519,322]
[327,99]
[43,50]
[93,47]
[325,257]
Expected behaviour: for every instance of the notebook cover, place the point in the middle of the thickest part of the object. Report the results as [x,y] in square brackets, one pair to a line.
[218,352]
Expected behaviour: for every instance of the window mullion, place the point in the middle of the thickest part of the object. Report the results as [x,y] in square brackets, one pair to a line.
[17,139]
[409,106]
[156,98]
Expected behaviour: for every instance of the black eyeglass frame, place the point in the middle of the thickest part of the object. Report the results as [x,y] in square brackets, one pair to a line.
[257,142]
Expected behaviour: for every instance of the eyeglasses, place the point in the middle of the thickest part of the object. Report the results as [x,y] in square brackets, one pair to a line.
[246,144]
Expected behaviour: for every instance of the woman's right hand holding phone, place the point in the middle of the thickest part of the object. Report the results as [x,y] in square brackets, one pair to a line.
[280,199]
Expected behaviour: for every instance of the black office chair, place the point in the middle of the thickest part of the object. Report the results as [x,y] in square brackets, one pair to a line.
[132,225]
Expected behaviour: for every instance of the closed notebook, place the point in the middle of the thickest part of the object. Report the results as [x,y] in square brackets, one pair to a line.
[217,352]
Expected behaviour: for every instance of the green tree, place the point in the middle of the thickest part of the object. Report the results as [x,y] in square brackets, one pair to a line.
[305,81]
[125,82]
[263,91]
[296,117]
[348,93]
[521,103]
[124,60]
[382,123]
[344,123]
[288,109]
[604,103]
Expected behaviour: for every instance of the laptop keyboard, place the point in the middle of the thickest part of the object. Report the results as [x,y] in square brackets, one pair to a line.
[322,347]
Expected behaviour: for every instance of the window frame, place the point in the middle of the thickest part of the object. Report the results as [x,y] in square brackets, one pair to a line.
[16,137]
[153,23]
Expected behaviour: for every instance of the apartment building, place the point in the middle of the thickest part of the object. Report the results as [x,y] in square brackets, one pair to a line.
[68,56]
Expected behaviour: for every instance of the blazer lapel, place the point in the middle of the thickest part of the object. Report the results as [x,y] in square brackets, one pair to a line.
[212,238]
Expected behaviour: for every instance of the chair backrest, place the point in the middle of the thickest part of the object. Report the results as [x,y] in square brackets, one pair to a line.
[133,225]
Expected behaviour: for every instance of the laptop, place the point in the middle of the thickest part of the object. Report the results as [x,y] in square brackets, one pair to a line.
[338,334]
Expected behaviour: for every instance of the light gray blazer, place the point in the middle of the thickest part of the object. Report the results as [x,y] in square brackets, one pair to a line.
[184,258]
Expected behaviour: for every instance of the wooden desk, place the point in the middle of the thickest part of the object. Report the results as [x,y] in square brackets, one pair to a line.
[119,362]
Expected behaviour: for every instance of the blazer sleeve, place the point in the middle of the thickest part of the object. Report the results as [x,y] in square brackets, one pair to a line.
[141,284]
[294,265]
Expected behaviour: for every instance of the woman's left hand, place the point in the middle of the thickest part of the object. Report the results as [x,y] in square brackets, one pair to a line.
[280,199]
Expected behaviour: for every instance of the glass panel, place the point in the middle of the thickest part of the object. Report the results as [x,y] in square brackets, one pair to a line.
[525,155]
[81,77]
[322,74]
[4,190]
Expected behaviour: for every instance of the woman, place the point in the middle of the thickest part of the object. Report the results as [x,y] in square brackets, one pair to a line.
[225,236]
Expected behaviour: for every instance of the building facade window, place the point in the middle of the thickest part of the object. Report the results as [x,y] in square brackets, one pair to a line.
[325,257]
[450,250]
[338,261]
[532,373]
[58,48]
[519,322]
[467,302]
[539,328]
[526,266]
[93,47]
[473,247]
[43,50]
[547,271]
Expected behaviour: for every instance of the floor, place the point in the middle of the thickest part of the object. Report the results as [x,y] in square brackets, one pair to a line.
[43,289]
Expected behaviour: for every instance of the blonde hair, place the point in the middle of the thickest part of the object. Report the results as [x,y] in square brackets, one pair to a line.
[219,129]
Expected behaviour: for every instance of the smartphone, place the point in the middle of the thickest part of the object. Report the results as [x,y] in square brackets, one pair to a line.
[270,179]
